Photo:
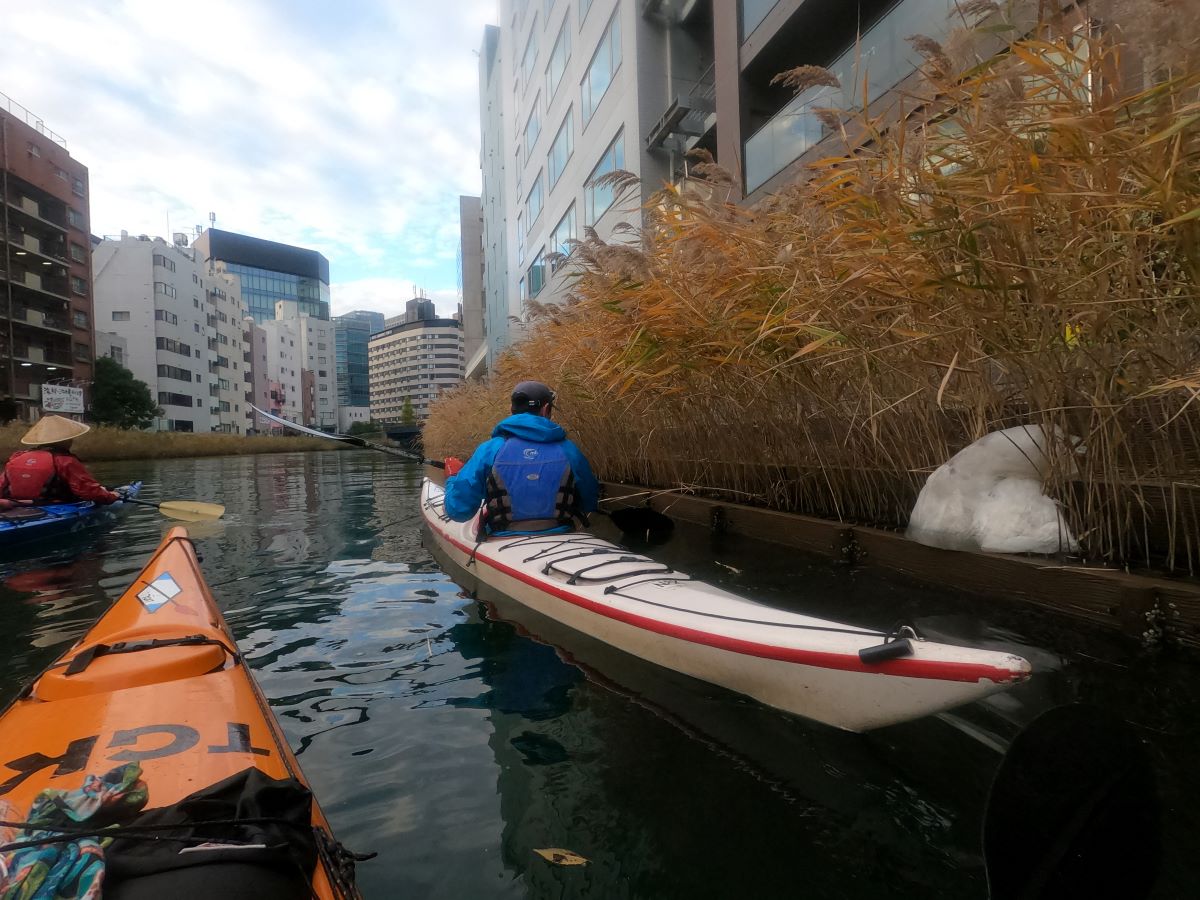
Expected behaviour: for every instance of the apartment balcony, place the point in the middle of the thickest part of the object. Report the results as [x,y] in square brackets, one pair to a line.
[689,116]
[27,354]
[50,282]
[26,244]
[36,319]
[871,65]
[27,211]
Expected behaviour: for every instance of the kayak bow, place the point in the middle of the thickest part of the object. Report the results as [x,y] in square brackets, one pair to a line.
[153,721]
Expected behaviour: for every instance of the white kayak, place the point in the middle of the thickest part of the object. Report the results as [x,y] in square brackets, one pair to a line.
[797,663]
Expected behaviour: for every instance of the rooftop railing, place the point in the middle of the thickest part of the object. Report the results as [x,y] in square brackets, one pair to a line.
[15,109]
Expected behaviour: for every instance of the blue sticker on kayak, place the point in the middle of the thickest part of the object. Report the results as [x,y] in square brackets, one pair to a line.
[159,592]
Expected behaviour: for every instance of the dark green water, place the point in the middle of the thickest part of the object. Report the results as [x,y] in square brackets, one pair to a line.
[455,745]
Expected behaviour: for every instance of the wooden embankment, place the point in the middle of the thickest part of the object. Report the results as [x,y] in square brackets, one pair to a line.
[1151,609]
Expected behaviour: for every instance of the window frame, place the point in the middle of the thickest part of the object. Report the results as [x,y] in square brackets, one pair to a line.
[529,65]
[537,187]
[567,123]
[562,39]
[537,267]
[558,246]
[591,217]
[610,39]
[534,118]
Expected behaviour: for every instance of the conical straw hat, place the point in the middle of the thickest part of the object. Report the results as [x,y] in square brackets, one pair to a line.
[53,430]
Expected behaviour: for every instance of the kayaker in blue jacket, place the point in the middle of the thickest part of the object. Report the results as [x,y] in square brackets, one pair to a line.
[531,479]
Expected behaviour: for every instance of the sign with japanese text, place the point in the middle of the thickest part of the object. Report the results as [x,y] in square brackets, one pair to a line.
[62,398]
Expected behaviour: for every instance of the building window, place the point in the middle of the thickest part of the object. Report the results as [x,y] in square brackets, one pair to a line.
[564,233]
[560,150]
[83,352]
[79,285]
[520,238]
[166,290]
[599,197]
[533,203]
[168,399]
[120,315]
[529,58]
[80,319]
[522,291]
[77,187]
[605,62]
[169,264]
[117,355]
[536,276]
[60,173]
[161,315]
[559,56]
[78,253]
[75,219]
[176,373]
[533,128]
[34,150]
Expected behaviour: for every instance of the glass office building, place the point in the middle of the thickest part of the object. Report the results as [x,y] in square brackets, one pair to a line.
[270,272]
[261,288]
[353,333]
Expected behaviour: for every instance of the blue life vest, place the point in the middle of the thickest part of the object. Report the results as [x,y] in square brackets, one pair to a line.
[531,489]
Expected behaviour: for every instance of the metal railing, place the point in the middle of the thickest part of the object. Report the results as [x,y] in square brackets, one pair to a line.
[16,110]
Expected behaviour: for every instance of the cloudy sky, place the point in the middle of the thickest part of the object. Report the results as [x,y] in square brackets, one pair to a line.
[348,127]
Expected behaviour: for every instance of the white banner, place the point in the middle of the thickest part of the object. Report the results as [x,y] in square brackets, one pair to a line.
[61,398]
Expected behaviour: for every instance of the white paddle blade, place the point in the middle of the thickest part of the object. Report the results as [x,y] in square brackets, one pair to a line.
[191,510]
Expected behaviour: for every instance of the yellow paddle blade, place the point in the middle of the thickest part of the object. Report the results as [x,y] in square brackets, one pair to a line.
[191,510]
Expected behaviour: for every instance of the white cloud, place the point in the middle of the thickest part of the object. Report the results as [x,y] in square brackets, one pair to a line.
[351,129]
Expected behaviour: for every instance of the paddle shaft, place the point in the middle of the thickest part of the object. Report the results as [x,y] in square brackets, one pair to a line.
[139,502]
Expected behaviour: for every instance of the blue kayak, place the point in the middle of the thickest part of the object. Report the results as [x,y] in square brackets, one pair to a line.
[26,523]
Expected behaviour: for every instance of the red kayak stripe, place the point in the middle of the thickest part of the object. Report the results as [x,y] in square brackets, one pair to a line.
[909,668]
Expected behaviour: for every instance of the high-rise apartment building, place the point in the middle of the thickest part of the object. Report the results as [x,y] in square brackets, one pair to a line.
[352,335]
[571,90]
[493,155]
[45,263]
[470,260]
[567,98]
[270,272]
[412,361]
[181,327]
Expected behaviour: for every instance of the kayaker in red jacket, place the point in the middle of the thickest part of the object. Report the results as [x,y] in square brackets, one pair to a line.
[50,473]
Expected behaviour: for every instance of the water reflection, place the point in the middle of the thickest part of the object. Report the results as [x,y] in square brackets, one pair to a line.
[456,739]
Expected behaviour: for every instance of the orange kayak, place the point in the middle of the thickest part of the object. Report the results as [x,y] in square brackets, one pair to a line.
[146,759]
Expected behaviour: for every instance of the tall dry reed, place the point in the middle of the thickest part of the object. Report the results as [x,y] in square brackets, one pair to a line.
[1028,252]
[102,443]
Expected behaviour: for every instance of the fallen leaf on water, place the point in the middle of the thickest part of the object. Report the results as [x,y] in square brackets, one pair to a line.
[561,857]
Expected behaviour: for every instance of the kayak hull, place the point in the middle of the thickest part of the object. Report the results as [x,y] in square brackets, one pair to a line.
[803,665]
[60,519]
[187,711]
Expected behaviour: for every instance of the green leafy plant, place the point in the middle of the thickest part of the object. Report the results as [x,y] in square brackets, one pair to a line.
[119,399]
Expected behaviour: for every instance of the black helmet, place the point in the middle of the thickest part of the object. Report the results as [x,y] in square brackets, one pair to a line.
[530,396]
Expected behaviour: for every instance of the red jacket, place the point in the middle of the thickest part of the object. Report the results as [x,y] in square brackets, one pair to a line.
[74,482]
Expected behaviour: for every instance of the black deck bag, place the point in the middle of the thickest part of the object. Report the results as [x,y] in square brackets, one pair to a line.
[265,825]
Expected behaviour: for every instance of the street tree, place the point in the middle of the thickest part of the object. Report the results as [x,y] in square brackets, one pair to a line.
[120,399]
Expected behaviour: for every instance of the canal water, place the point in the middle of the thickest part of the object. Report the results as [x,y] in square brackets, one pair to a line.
[456,745]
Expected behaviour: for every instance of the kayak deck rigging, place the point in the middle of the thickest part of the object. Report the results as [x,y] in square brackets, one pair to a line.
[849,677]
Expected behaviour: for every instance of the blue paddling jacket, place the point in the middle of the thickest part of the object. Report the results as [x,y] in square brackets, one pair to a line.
[521,473]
